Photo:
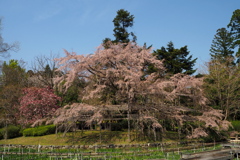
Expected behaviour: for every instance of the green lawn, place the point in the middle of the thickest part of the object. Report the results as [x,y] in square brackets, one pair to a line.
[76,138]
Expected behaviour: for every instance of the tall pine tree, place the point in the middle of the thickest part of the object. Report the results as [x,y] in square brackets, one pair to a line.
[234,25]
[122,22]
[222,46]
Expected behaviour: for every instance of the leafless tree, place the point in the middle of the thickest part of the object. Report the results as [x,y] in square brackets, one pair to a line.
[6,47]
[43,71]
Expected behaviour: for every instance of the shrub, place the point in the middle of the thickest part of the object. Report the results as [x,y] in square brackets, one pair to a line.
[39,131]
[119,126]
[215,136]
[12,132]
[236,125]
[28,132]
[1,135]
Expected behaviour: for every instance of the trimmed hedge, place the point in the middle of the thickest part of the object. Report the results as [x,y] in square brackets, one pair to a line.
[39,131]
[12,131]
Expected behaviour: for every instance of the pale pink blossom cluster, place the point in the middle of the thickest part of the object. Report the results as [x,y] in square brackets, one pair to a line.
[119,66]
[213,118]
[123,68]
[198,132]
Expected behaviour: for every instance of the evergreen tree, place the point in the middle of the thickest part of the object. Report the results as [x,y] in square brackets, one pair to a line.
[235,29]
[48,72]
[222,46]
[122,22]
[13,73]
[176,60]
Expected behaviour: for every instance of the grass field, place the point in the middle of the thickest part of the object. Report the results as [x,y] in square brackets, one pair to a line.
[75,138]
[9,152]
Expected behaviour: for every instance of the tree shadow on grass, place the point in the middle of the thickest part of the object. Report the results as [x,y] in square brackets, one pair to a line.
[96,137]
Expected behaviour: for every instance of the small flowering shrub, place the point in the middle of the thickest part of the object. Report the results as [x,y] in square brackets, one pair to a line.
[37,103]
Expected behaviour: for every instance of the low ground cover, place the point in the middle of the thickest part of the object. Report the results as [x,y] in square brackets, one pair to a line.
[10,152]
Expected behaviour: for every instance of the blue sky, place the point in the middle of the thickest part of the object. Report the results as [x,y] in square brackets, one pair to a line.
[43,27]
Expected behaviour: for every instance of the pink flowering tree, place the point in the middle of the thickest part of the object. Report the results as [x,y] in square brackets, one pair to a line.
[37,103]
[118,69]
[121,70]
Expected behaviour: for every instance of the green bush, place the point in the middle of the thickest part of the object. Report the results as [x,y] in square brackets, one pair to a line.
[28,132]
[236,125]
[215,136]
[39,131]
[1,135]
[12,131]
[119,126]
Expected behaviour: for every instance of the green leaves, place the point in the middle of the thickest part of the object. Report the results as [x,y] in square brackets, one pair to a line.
[122,22]
[222,45]
[234,25]
[13,73]
[39,131]
[176,60]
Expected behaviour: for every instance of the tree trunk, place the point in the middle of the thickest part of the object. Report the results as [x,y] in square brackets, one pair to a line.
[100,135]
[6,131]
[154,133]
[129,125]
[179,133]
